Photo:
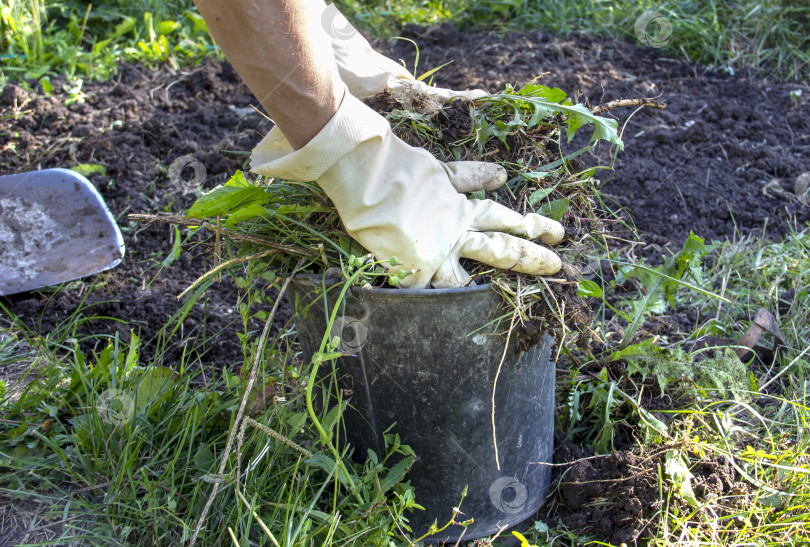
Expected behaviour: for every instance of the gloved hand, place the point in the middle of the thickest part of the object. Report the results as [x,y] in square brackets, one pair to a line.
[400,201]
[366,72]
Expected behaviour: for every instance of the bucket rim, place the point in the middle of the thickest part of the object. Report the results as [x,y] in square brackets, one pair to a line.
[315,280]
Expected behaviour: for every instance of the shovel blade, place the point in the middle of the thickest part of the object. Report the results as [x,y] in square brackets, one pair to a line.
[54,227]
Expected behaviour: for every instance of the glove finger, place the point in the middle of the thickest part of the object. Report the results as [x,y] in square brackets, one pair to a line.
[471,176]
[536,226]
[450,275]
[449,94]
[494,217]
[509,253]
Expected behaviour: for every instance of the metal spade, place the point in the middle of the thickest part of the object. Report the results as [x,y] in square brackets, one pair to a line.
[54,227]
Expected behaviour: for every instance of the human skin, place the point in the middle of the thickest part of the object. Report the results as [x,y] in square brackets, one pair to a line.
[282,53]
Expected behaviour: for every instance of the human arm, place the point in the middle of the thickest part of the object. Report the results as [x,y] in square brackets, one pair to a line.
[283,55]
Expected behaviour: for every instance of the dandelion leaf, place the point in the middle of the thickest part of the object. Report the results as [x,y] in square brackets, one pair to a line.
[647,359]
[544,103]
[725,375]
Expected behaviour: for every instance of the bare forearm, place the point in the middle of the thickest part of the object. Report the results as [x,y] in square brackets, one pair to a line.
[283,54]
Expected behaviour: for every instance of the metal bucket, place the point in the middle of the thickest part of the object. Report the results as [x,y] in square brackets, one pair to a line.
[427,359]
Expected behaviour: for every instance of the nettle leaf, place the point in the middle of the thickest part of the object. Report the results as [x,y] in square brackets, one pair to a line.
[554,209]
[235,194]
[250,211]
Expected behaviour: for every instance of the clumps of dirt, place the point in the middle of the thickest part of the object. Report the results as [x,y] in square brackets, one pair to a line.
[454,122]
[383,103]
[618,497]
[614,497]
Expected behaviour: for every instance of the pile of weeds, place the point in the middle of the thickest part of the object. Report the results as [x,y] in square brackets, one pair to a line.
[272,224]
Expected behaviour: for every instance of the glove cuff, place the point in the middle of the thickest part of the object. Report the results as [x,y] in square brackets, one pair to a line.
[352,124]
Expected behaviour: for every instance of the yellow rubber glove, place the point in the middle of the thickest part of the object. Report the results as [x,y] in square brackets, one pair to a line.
[400,201]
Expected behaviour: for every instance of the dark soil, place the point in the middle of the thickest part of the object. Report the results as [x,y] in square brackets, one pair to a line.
[720,161]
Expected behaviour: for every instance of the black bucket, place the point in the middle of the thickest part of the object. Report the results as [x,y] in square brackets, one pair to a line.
[427,359]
